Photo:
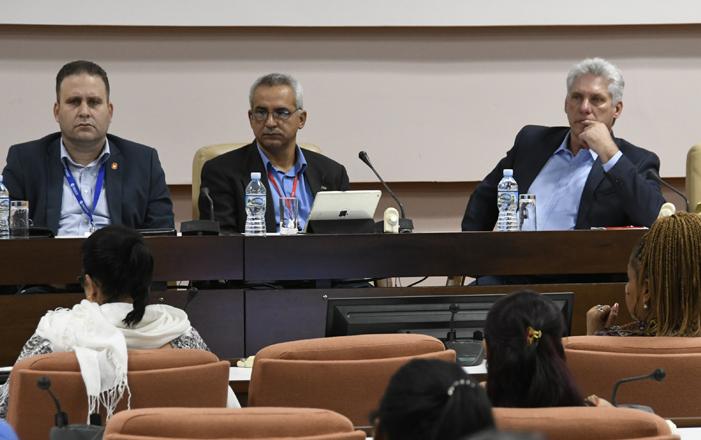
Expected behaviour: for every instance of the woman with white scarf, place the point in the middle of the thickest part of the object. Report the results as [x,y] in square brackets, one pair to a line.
[114,317]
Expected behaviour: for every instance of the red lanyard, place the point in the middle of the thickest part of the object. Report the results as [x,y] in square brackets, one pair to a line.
[273,182]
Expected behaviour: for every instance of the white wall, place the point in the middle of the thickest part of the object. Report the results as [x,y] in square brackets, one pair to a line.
[348,13]
[428,104]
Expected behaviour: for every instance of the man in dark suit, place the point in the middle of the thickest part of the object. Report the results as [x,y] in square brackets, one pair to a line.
[81,178]
[582,175]
[275,115]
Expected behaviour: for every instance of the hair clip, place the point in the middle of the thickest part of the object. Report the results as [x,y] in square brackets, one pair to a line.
[460,382]
[532,335]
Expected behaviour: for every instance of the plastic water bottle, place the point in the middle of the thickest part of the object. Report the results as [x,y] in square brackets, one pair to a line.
[255,206]
[4,211]
[507,202]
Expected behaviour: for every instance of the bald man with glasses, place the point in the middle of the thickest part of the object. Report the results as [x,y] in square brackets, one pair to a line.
[275,115]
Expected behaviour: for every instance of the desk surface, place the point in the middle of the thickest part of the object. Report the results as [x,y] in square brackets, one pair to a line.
[312,257]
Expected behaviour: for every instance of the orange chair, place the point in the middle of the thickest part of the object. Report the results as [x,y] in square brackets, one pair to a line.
[583,423]
[166,377]
[230,424]
[597,362]
[346,374]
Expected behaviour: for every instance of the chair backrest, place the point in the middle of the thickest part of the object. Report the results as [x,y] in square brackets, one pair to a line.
[231,424]
[597,362]
[165,377]
[208,152]
[575,423]
[346,374]
[693,178]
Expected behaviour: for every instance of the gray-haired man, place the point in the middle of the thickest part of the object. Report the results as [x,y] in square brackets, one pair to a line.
[275,115]
[582,175]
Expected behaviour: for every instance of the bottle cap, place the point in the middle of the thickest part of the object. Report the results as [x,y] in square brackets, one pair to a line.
[508,172]
[255,176]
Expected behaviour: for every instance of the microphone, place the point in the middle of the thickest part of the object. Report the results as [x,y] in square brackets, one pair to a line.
[202,227]
[657,375]
[205,191]
[656,177]
[61,418]
[405,224]
[452,334]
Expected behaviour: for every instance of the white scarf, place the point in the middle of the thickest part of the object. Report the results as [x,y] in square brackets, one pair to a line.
[100,339]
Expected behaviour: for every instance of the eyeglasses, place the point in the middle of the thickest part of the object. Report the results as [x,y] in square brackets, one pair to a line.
[279,114]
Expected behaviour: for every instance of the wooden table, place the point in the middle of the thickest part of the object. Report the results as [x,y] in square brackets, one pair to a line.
[237,320]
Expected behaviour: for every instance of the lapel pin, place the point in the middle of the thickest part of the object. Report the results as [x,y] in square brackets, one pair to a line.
[115,165]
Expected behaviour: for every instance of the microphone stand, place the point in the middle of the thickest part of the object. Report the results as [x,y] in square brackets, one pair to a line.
[659,180]
[405,224]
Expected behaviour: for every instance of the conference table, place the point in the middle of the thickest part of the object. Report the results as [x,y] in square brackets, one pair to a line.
[250,310]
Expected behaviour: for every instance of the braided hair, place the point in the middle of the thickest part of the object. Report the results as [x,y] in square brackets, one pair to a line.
[120,263]
[668,258]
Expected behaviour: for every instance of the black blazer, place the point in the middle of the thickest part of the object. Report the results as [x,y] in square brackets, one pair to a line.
[227,176]
[135,185]
[625,195]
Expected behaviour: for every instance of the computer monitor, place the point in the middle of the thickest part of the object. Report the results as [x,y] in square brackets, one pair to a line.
[426,314]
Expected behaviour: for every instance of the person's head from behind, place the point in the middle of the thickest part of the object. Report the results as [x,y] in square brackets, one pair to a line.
[525,357]
[664,276]
[117,267]
[276,112]
[83,108]
[431,399]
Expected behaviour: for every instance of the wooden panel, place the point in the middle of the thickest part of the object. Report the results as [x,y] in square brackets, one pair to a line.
[216,314]
[57,261]
[471,253]
[274,316]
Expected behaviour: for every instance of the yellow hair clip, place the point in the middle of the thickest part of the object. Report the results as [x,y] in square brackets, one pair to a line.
[533,335]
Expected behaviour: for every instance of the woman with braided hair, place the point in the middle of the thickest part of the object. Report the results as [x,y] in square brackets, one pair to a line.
[429,399]
[114,317]
[663,293]
[525,358]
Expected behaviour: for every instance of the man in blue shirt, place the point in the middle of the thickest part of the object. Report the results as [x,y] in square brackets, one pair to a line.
[276,114]
[81,178]
[582,175]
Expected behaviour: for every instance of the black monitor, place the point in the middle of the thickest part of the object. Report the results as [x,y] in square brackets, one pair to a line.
[428,314]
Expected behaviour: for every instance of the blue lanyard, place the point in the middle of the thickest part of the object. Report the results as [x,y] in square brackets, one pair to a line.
[76,191]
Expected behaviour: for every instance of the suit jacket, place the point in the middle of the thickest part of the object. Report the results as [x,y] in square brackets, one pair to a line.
[135,186]
[625,195]
[227,176]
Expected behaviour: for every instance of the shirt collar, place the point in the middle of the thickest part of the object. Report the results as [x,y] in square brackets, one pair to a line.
[66,158]
[299,166]
[564,148]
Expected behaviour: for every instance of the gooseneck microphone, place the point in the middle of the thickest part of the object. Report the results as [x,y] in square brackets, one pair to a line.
[205,191]
[405,224]
[659,180]
[61,418]
[657,375]
[202,227]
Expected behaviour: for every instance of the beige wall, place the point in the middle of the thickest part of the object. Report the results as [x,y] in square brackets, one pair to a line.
[434,206]
[428,104]
[355,13]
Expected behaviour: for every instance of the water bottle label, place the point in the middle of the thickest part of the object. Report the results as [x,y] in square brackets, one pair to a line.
[507,199]
[256,201]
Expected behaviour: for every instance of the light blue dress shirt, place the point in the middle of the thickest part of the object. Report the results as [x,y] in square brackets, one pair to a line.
[285,181]
[559,185]
[73,221]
